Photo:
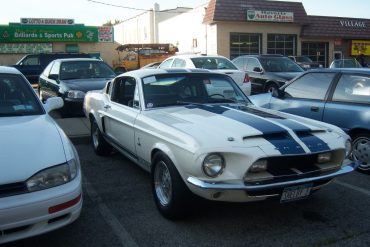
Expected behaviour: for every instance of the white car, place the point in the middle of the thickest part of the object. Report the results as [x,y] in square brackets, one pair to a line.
[40,178]
[216,146]
[215,63]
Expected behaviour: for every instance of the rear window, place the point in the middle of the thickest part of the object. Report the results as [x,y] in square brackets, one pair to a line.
[213,63]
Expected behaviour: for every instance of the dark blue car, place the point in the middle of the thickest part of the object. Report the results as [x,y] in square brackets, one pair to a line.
[337,96]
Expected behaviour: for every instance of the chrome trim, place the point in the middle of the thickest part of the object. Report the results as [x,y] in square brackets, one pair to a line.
[242,186]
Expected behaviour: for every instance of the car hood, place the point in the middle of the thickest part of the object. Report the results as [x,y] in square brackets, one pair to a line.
[246,126]
[85,85]
[287,76]
[28,144]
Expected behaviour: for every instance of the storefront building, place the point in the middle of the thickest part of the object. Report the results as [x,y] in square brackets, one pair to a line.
[44,35]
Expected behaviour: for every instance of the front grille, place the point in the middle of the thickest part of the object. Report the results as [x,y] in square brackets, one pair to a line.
[13,189]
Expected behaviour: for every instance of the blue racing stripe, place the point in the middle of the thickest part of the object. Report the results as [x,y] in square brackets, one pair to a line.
[273,133]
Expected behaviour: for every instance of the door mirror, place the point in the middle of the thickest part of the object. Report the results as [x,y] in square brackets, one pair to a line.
[257,69]
[53,77]
[278,93]
[53,103]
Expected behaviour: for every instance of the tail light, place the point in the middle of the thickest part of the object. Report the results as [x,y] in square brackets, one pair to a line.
[246,78]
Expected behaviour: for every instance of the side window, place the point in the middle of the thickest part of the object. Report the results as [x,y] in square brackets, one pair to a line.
[108,87]
[353,88]
[123,91]
[251,64]
[179,63]
[239,63]
[55,69]
[310,86]
[166,64]
[31,60]
[47,69]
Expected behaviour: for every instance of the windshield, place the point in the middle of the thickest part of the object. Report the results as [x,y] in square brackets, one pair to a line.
[303,59]
[182,89]
[16,97]
[85,69]
[279,64]
[213,63]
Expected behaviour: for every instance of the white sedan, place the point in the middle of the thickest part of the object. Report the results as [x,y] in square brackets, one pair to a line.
[215,63]
[216,146]
[40,178]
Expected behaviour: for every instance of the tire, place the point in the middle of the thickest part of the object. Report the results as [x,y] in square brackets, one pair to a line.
[361,151]
[171,195]
[100,145]
[271,87]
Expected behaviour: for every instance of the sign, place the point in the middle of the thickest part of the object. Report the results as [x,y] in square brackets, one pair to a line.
[353,24]
[337,42]
[105,34]
[25,48]
[360,46]
[43,33]
[46,21]
[270,16]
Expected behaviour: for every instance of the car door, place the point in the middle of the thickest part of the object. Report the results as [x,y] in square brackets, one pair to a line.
[255,73]
[121,113]
[306,96]
[349,105]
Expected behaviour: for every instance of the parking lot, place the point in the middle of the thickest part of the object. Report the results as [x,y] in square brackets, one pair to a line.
[119,211]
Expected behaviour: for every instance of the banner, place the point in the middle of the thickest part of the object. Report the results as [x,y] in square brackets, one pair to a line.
[25,48]
[47,21]
[360,46]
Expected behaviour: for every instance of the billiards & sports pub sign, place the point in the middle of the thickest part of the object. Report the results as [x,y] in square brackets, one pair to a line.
[272,16]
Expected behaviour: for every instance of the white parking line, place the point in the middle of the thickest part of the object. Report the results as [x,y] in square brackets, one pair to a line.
[124,237]
[350,186]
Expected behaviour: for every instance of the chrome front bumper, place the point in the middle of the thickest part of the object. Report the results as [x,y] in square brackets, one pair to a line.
[243,186]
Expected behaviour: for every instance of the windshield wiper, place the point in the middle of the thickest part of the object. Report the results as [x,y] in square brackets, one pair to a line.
[222,101]
[12,114]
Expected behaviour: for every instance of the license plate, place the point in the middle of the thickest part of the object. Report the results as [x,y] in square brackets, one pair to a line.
[296,193]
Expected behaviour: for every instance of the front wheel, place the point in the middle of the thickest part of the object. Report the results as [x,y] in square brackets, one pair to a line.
[361,151]
[171,195]
[100,145]
[271,87]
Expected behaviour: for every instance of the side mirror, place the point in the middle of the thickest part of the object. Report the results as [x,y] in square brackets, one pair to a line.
[53,77]
[257,69]
[53,103]
[278,93]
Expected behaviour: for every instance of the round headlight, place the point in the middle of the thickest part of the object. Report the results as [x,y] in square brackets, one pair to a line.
[213,165]
[348,148]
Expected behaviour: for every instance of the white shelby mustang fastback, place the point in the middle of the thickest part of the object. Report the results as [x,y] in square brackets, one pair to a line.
[197,133]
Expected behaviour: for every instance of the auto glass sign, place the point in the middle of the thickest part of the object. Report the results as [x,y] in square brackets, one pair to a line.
[270,16]
[44,33]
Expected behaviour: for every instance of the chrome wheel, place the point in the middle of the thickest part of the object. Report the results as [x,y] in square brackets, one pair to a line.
[163,183]
[361,152]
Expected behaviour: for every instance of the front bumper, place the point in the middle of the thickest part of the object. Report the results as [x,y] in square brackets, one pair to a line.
[73,106]
[241,191]
[27,215]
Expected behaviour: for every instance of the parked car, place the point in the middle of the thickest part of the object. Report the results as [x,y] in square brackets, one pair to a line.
[71,78]
[214,145]
[267,72]
[40,178]
[32,65]
[336,96]
[214,63]
[305,62]
[345,63]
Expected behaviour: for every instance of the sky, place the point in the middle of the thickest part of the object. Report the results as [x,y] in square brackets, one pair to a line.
[94,14]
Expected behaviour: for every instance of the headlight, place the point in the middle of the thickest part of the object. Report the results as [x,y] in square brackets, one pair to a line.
[75,94]
[320,66]
[213,165]
[258,166]
[53,176]
[348,145]
[323,158]
[306,66]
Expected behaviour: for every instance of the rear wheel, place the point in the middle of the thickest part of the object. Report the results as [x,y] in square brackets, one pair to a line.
[361,150]
[171,195]
[100,145]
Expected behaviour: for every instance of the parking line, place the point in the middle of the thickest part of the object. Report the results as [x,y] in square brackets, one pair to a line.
[350,186]
[124,237]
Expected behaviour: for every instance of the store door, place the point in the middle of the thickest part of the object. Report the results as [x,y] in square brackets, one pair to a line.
[317,51]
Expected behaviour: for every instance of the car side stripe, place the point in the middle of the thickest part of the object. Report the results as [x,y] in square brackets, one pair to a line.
[273,133]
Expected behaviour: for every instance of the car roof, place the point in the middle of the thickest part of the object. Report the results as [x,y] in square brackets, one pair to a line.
[348,70]
[261,55]
[77,59]
[194,56]
[9,70]
[148,72]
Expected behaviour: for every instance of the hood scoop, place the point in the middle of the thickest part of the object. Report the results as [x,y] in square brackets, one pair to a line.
[302,133]
[268,136]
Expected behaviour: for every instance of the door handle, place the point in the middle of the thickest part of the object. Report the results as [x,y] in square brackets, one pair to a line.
[315,108]
[106,107]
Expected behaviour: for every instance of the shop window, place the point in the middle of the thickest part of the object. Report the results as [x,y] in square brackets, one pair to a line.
[245,44]
[284,44]
[72,48]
